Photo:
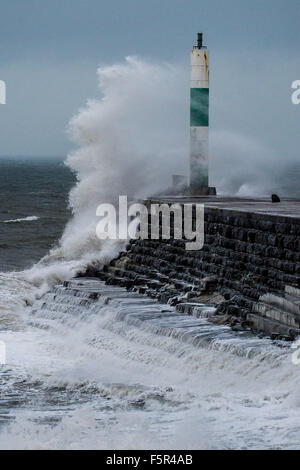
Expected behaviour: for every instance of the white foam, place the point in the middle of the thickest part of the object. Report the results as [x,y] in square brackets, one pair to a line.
[134,388]
[30,218]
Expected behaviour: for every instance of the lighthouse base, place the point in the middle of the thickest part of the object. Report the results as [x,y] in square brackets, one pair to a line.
[202,191]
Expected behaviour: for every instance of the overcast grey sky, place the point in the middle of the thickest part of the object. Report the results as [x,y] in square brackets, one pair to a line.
[50,50]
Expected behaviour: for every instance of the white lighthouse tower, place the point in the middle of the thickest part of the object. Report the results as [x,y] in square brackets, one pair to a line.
[199,121]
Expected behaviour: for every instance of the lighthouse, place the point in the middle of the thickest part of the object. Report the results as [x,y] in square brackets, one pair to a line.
[199,121]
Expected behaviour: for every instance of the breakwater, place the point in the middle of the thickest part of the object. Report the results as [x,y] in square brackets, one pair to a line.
[248,269]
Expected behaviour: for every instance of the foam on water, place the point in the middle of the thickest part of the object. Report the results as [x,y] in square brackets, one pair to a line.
[124,371]
[30,218]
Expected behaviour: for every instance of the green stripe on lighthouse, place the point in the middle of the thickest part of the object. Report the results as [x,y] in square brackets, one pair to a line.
[199,107]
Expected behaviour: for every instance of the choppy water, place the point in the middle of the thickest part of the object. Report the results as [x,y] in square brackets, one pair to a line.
[118,370]
[123,371]
[33,210]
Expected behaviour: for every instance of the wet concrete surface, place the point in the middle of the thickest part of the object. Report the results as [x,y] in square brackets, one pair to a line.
[285,208]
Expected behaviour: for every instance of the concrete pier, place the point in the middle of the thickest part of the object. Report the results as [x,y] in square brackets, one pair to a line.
[248,268]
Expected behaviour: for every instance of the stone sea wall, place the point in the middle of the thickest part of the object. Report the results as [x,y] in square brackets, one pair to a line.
[249,269]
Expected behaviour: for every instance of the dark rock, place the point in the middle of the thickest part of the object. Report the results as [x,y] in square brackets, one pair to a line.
[275,198]
[237,327]
[233,310]
[275,336]
[94,295]
[285,338]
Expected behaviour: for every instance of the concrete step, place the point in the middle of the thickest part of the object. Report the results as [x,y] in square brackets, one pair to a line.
[271,327]
[290,304]
[277,314]
[294,291]
[198,310]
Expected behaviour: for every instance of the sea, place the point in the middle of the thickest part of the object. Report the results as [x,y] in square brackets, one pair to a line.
[34,209]
[121,372]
